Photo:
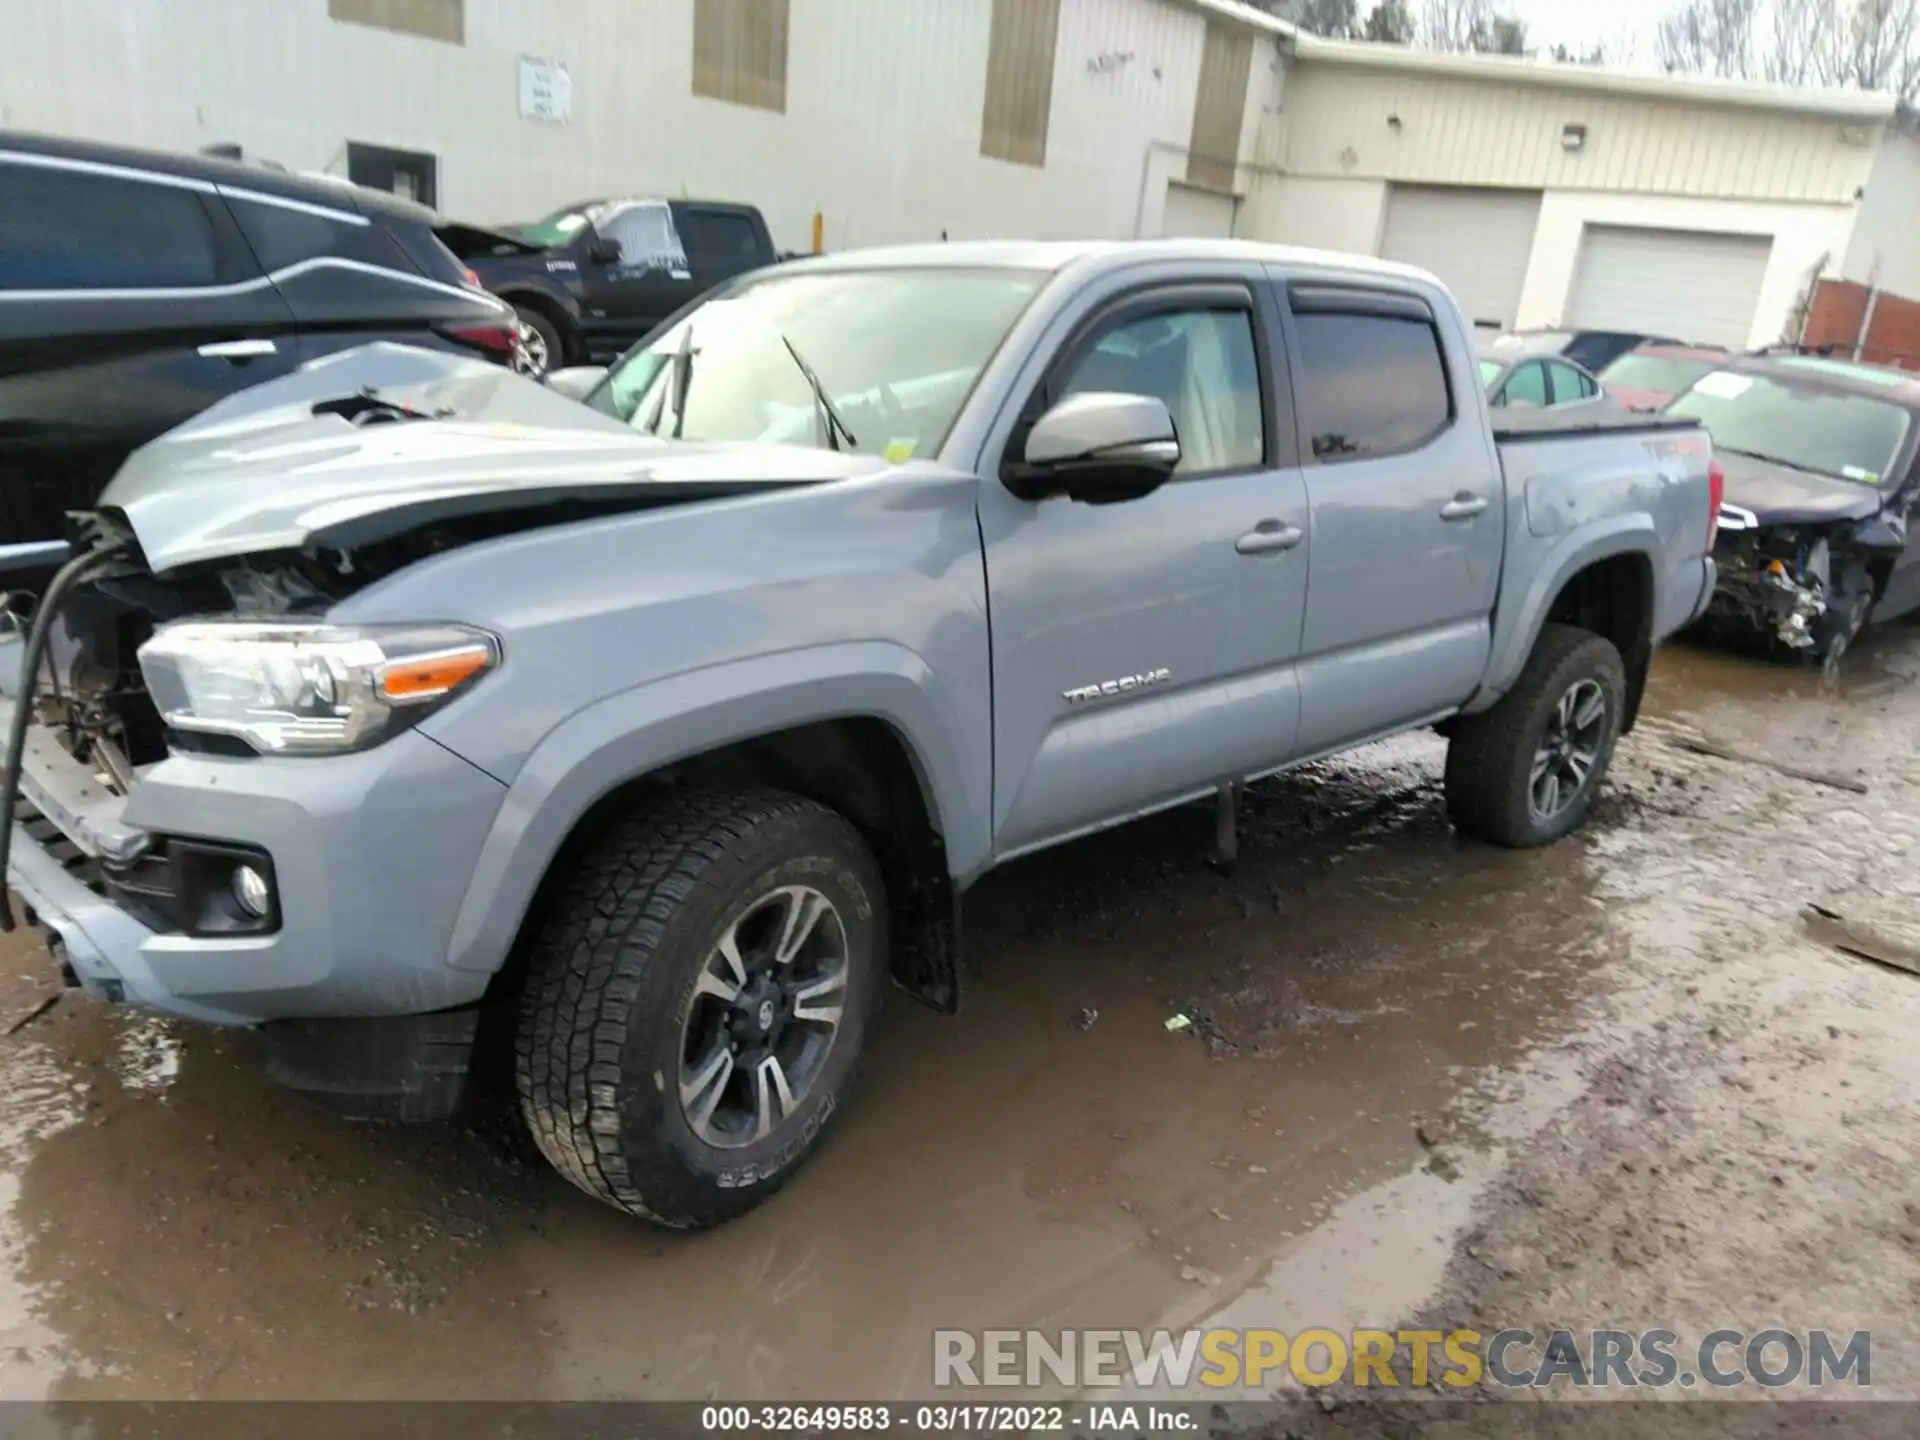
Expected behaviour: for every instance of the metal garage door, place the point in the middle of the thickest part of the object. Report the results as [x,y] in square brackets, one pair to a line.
[1193,212]
[1478,242]
[1692,286]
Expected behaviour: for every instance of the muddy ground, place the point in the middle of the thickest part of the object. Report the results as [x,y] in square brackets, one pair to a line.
[1615,1082]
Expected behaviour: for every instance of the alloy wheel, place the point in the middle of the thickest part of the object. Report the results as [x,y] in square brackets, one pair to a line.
[533,358]
[766,1011]
[1569,750]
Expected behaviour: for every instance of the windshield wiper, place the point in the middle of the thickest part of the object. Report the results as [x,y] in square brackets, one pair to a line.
[828,418]
[682,381]
[1774,460]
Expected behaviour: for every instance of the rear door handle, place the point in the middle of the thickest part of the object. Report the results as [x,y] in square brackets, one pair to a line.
[1269,537]
[235,350]
[1463,506]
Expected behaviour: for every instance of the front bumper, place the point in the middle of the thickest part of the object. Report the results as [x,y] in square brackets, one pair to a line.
[372,853]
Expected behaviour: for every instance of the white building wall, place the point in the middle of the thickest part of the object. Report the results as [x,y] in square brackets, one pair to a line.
[1498,130]
[1686,164]
[881,132]
[1888,229]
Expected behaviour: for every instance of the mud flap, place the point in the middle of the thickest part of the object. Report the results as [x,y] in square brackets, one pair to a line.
[926,950]
[407,1068]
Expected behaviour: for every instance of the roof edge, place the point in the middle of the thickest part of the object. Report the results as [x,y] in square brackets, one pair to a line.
[1249,16]
[1858,105]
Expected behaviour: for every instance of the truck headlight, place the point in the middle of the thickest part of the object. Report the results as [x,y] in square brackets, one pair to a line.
[296,688]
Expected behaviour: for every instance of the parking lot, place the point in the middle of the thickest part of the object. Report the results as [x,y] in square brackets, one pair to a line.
[1612,1081]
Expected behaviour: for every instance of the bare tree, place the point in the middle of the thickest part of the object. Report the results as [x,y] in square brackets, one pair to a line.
[1449,24]
[1389,23]
[1336,19]
[1881,48]
[1710,37]
[1475,25]
[1861,44]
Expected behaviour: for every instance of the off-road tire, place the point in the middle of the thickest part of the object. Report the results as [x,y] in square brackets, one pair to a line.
[1490,755]
[611,977]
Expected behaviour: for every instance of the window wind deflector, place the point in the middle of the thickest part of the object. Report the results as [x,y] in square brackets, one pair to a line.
[1306,299]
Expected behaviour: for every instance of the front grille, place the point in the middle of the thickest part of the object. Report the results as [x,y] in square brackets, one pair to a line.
[75,861]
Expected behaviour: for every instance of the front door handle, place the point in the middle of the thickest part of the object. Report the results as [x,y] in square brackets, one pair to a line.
[1463,506]
[1269,537]
[238,350]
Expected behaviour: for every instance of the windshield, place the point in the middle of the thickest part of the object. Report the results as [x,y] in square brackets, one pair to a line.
[1490,371]
[558,228]
[1657,374]
[1849,436]
[896,352]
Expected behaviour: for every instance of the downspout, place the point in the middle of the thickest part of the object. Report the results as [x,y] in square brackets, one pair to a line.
[1873,304]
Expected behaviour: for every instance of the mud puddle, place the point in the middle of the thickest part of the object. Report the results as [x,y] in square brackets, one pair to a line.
[1388,1028]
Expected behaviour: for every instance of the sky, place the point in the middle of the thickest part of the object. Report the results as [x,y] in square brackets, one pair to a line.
[1575,23]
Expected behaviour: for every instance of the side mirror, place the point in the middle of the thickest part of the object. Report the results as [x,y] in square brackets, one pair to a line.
[1100,448]
[576,382]
[602,251]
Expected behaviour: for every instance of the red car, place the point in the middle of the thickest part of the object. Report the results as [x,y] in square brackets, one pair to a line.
[1650,377]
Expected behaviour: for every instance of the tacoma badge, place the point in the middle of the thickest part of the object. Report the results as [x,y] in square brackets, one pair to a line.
[1106,689]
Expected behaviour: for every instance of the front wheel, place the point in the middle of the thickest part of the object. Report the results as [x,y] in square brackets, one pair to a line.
[1525,772]
[541,346]
[697,1002]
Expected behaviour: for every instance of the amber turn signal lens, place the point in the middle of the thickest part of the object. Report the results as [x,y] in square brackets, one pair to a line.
[431,676]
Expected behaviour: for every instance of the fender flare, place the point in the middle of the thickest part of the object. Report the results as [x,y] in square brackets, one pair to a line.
[1515,637]
[529,287]
[625,736]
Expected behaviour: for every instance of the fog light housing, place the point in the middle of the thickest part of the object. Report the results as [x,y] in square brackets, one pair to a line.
[251,891]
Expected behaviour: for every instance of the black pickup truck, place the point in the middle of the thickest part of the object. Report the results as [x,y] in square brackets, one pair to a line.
[592,278]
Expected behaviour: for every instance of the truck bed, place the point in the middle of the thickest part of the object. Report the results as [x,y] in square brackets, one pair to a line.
[1530,424]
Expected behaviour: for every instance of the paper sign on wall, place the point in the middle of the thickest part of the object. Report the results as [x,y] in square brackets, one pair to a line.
[546,90]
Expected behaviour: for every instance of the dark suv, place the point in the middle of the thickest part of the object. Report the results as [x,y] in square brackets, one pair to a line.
[138,288]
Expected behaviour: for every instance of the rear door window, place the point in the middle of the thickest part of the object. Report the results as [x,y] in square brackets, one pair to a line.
[1372,384]
[718,234]
[1527,385]
[1570,386]
[64,229]
[282,237]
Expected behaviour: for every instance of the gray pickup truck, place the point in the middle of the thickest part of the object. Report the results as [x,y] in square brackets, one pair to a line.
[431,720]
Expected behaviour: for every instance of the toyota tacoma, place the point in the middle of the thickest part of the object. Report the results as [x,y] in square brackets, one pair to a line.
[632,731]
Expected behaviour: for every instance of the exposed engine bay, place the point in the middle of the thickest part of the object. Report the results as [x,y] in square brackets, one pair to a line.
[1806,588]
[89,687]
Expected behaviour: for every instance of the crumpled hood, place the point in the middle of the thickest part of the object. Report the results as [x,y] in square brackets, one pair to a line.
[261,471]
[1781,495]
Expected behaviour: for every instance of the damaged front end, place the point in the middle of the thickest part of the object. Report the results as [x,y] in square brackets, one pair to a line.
[1807,589]
[82,726]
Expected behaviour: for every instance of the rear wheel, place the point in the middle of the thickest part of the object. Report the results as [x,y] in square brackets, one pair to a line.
[1525,772]
[697,1003]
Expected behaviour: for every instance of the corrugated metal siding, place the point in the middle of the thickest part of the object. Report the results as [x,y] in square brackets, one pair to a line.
[881,129]
[1471,132]
[1479,243]
[740,51]
[1019,103]
[1699,288]
[1220,108]
[434,19]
